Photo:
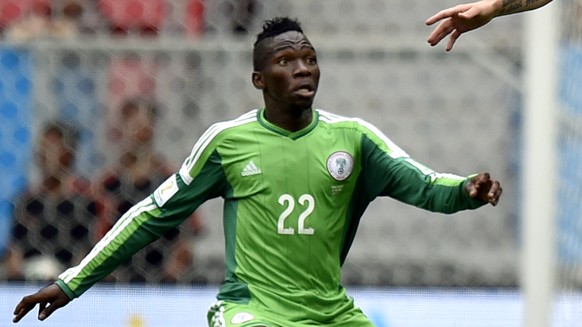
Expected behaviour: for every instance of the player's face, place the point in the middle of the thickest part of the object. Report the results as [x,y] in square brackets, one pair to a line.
[290,76]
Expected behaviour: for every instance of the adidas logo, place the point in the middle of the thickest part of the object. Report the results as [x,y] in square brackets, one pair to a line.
[251,169]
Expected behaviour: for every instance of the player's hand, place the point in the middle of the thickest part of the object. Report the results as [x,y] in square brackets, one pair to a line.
[484,188]
[51,295]
[460,19]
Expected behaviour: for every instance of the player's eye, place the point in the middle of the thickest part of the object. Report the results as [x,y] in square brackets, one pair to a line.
[311,60]
[283,61]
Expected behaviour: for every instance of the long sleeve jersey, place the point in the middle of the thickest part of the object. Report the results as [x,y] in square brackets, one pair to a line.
[292,205]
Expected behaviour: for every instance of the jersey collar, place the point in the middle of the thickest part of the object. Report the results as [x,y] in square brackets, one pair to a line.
[292,135]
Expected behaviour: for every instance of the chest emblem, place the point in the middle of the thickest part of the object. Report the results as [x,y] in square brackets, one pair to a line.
[340,165]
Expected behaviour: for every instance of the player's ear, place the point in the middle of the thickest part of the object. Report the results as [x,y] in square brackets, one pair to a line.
[258,80]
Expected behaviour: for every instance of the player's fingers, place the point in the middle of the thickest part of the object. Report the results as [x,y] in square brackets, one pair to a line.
[495,193]
[447,13]
[485,178]
[19,314]
[474,192]
[24,306]
[490,190]
[440,32]
[481,186]
[435,18]
[53,306]
[485,183]
[21,310]
[45,313]
[473,187]
[454,36]
[41,307]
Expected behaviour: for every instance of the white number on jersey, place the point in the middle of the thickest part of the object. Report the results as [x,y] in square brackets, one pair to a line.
[289,202]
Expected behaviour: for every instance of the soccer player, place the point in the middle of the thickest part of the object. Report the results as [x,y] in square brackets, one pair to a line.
[467,17]
[295,182]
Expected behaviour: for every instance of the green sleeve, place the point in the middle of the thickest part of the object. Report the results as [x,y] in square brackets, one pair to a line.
[139,226]
[171,203]
[391,172]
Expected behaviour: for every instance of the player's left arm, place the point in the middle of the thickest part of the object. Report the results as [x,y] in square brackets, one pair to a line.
[413,183]
[387,170]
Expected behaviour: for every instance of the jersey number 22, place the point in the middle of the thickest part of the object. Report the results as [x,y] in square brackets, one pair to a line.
[288,202]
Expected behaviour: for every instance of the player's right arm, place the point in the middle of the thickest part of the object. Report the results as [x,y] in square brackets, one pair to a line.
[466,17]
[199,179]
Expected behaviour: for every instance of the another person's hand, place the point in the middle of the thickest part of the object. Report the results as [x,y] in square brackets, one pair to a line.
[51,295]
[460,19]
[484,188]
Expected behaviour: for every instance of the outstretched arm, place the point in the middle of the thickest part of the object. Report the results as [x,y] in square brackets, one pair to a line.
[49,299]
[467,17]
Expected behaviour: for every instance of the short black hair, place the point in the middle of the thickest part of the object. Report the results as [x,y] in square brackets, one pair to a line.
[272,28]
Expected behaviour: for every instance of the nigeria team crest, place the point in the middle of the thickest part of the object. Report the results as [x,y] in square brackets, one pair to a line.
[340,165]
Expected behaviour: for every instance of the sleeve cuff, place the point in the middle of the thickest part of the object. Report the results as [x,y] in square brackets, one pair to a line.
[65,289]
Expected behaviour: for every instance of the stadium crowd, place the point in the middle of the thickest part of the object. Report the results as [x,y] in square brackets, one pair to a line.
[58,216]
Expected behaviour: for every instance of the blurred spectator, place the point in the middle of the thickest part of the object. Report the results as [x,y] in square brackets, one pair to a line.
[133,17]
[194,18]
[136,175]
[13,10]
[153,17]
[52,220]
[242,13]
[46,20]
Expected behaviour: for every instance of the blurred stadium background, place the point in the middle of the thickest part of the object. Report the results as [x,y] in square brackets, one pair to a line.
[458,112]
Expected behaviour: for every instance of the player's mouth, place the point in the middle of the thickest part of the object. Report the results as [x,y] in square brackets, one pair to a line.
[306,91]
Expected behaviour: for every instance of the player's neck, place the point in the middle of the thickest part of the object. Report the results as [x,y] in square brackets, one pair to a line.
[291,120]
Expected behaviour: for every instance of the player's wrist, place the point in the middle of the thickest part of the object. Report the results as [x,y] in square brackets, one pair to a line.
[63,286]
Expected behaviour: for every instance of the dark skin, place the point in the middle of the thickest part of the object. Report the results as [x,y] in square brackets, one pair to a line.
[482,187]
[49,299]
[288,80]
[290,64]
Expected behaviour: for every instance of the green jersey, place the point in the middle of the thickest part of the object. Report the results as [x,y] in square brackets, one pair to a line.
[292,205]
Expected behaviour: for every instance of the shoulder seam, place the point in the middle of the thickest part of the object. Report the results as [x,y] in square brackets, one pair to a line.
[334,118]
[395,150]
[211,133]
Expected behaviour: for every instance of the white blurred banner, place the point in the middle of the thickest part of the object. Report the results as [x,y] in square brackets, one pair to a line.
[186,306]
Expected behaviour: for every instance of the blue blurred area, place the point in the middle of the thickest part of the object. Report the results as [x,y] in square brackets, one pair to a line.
[76,101]
[570,163]
[571,78]
[15,122]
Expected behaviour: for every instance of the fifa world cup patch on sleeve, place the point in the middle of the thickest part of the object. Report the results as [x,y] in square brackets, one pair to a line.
[165,191]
